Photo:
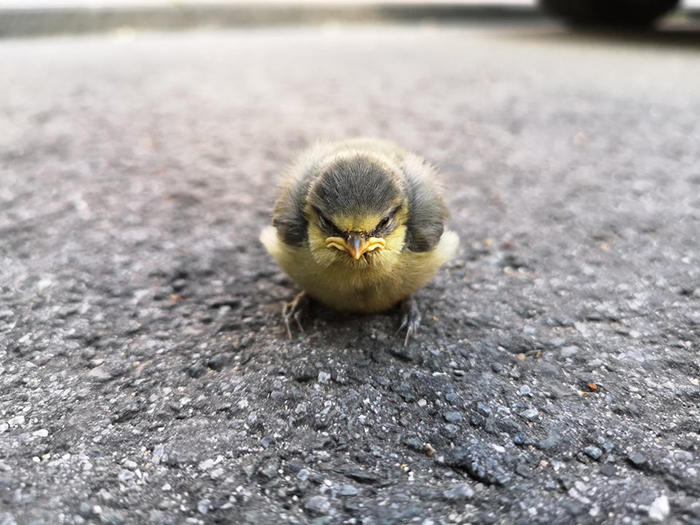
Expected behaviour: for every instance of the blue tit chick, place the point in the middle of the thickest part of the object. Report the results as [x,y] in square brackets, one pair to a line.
[360,227]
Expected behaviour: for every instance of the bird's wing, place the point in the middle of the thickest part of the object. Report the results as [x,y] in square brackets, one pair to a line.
[427,212]
[288,215]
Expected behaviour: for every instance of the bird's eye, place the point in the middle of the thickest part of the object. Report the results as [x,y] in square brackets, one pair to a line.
[384,223]
[324,223]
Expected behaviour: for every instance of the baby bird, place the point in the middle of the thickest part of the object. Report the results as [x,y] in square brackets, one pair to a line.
[359,226]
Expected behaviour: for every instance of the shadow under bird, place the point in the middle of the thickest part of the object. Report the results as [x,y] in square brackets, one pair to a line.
[360,227]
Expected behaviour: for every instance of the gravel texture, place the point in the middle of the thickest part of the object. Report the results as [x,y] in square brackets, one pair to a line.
[145,376]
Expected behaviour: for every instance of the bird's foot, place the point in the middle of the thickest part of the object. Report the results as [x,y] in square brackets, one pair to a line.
[411,318]
[295,310]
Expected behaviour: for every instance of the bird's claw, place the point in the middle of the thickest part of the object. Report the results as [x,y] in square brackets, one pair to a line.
[411,318]
[295,310]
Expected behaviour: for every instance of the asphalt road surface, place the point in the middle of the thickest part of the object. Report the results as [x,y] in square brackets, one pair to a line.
[145,376]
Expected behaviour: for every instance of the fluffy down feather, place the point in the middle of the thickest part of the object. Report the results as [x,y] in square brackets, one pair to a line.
[353,185]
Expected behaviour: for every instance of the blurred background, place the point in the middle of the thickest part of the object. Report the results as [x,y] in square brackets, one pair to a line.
[41,17]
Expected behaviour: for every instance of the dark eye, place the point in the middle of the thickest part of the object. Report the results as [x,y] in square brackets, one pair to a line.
[388,220]
[324,223]
[384,222]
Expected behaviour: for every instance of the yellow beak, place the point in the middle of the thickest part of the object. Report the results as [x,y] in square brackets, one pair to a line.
[356,245]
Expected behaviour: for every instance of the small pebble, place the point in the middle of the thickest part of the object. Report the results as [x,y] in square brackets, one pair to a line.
[16,421]
[524,471]
[85,509]
[458,492]
[197,369]
[131,465]
[100,374]
[608,470]
[318,505]
[531,414]
[451,430]
[683,456]
[660,508]
[552,440]
[569,351]
[203,506]
[523,440]
[126,477]
[414,443]
[636,459]
[348,490]
[593,452]
[267,441]
[158,454]
[483,408]
[206,464]
[453,417]
[452,398]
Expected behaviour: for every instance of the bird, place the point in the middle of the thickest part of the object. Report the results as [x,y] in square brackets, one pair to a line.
[359,226]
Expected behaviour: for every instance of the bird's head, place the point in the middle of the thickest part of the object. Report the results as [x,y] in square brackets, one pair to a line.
[356,211]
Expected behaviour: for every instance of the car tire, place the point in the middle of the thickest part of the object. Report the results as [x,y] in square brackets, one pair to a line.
[616,13]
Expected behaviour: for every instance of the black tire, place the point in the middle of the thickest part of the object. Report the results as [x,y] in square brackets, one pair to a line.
[615,13]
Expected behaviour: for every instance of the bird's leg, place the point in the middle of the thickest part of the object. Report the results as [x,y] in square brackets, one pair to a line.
[411,318]
[295,310]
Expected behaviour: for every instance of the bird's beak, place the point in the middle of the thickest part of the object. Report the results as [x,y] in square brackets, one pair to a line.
[356,245]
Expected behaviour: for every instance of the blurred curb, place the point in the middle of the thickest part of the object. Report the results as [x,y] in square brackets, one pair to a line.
[16,23]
